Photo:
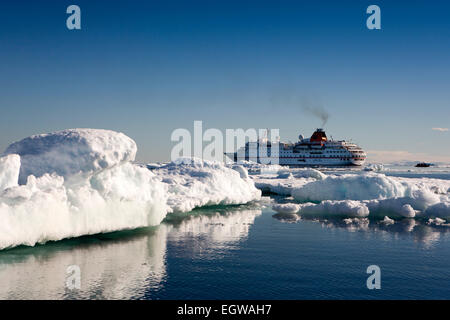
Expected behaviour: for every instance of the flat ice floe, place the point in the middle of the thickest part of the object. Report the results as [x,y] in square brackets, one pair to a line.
[348,208]
[259,168]
[82,181]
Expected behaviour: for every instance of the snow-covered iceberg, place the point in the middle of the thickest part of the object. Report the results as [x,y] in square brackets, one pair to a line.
[357,194]
[381,194]
[72,151]
[353,187]
[193,183]
[286,180]
[348,208]
[83,181]
[72,183]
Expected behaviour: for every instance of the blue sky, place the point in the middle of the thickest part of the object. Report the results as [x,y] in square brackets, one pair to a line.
[146,68]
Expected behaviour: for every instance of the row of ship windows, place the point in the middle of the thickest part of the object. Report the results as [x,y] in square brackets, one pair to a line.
[344,158]
[322,153]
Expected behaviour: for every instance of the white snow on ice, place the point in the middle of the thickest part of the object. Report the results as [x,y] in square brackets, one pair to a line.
[387,221]
[88,189]
[71,151]
[259,168]
[286,180]
[358,194]
[195,183]
[82,181]
[286,208]
[348,208]
[9,171]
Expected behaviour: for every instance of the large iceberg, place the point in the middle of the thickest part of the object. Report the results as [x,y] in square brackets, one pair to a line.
[72,183]
[71,151]
[83,181]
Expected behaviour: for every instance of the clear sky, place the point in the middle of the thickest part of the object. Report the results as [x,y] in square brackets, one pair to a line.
[146,68]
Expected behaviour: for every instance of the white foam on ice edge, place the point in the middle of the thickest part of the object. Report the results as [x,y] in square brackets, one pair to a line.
[82,181]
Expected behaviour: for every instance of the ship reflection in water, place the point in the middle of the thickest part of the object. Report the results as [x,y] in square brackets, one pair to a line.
[236,253]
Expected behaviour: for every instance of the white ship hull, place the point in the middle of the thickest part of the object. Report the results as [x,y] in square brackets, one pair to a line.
[307,162]
[320,162]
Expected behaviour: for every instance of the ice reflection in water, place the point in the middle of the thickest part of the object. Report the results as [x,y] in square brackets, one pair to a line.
[121,265]
[211,233]
[423,232]
[113,266]
[133,264]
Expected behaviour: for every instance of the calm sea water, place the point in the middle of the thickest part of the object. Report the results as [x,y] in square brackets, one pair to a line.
[239,252]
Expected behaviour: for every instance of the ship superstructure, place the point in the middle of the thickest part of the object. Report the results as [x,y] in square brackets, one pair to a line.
[314,151]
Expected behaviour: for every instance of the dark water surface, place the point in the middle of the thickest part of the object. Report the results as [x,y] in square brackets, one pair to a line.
[240,252]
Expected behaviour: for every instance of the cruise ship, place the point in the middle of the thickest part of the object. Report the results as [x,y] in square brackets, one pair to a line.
[314,151]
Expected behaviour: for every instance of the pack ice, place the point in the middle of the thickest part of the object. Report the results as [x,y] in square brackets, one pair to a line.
[359,194]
